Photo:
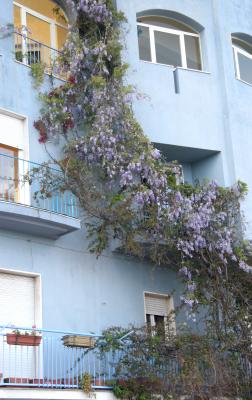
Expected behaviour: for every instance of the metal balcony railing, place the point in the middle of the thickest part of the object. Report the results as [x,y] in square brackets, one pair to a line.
[60,360]
[51,359]
[29,51]
[15,188]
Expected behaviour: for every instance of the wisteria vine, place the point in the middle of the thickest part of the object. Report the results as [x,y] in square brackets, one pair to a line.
[124,185]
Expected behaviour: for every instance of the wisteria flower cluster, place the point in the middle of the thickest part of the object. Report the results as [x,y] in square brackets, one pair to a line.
[95,9]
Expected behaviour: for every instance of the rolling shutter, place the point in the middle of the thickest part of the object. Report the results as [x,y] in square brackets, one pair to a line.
[12,131]
[156,304]
[17,300]
[17,307]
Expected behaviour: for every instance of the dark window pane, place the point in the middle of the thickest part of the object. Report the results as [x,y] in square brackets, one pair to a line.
[160,325]
[148,322]
[168,49]
[193,52]
[245,65]
[166,23]
[242,45]
[144,43]
[8,173]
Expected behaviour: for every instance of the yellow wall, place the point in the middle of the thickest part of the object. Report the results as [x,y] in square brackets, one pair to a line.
[61,36]
[17,17]
[44,7]
[38,30]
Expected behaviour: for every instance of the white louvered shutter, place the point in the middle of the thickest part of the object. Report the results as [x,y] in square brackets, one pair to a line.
[12,131]
[17,307]
[17,300]
[156,304]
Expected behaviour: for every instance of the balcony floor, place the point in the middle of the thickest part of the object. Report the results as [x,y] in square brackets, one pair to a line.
[35,221]
[53,394]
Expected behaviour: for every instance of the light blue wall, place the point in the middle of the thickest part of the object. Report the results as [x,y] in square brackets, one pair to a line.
[212,110]
[208,123]
[80,292]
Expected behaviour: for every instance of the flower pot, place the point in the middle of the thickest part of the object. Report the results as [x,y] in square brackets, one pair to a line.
[78,341]
[23,340]
[22,381]
[99,382]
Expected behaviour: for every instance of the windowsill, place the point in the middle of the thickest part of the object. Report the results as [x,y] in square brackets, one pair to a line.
[246,83]
[193,70]
[46,73]
[176,68]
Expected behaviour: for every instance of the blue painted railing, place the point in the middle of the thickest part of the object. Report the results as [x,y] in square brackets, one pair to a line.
[60,360]
[15,188]
[53,363]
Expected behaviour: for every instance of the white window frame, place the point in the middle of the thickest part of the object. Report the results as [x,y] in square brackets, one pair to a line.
[170,310]
[236,51]
[53,37]
[180,34]
[23,153]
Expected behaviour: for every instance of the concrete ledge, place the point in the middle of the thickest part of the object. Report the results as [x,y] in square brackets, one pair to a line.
[35,221]
[54,394]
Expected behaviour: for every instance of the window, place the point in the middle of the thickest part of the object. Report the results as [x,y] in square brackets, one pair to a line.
[158,312]
[20,304]
[166,41]
[41,30]
[242,59]
[8,173]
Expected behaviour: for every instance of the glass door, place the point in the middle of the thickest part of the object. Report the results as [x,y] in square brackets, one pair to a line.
[9,173]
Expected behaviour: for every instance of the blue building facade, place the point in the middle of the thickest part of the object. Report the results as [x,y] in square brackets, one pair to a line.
[193,61]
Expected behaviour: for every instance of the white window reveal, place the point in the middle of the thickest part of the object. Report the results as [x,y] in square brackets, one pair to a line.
[159,312]
[243,60]
[165,41]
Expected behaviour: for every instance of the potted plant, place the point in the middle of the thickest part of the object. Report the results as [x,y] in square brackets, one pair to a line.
[78,341]
[18,338]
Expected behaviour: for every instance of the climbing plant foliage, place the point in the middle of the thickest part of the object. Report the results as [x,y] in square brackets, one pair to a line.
[129,194]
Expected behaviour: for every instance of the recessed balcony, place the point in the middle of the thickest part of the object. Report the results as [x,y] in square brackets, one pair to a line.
[41,29]
[21,210]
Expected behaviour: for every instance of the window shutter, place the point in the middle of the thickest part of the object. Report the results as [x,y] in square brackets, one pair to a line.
[12,131]
[156,304]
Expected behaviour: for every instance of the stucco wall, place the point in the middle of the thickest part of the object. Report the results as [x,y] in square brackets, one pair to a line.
[80,292]
[212,110]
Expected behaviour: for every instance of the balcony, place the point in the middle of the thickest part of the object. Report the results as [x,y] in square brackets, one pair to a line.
[29,51]
[52,359]
[56,360]
[22,210]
